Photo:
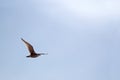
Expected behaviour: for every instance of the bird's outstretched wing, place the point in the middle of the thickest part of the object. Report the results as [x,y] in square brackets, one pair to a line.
[29,46]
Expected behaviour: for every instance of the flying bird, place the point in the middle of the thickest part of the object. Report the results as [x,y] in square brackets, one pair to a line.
[33,54]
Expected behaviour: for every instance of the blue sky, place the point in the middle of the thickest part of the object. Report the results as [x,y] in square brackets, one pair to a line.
[82,38]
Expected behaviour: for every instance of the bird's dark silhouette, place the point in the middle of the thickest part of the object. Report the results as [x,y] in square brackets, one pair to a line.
[33,54]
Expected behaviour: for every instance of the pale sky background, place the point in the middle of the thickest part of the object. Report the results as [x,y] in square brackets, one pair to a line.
[82,38]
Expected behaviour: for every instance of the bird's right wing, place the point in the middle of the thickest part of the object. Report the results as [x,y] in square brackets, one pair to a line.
[29,46]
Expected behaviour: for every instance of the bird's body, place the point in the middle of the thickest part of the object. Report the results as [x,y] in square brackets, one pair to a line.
[33,54]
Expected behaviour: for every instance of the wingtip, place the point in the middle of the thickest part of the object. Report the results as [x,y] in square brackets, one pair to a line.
[22,39]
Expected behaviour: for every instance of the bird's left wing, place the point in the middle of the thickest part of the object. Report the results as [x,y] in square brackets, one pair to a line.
[29,46]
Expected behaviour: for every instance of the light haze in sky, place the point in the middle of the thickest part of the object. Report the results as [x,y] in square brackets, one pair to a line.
[81,37]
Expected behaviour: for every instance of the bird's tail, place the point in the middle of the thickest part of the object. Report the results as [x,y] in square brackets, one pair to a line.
[44,53]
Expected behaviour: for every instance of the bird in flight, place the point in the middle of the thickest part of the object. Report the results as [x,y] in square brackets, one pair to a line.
[33,54]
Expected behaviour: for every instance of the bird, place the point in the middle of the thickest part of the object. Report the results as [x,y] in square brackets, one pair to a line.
[32,52]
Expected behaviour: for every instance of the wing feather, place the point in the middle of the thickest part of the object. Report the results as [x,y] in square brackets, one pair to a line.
[29,46]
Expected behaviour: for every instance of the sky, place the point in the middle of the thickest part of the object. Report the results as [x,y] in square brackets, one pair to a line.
[81,37]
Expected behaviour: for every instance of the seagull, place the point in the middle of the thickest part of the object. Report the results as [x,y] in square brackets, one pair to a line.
[33,54]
